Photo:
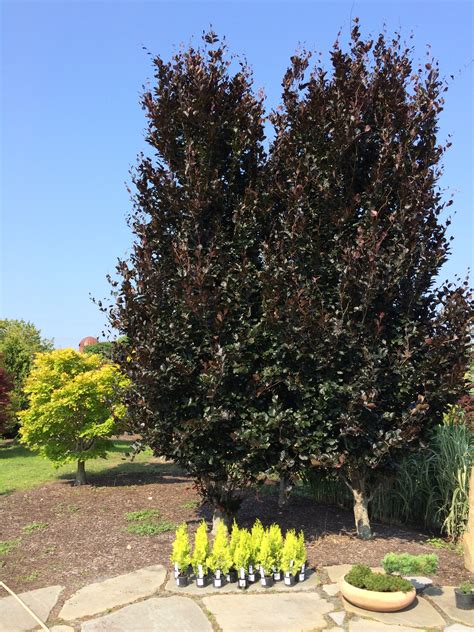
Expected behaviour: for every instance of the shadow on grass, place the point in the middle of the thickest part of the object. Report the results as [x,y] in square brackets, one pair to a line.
[131,473]
[14,451]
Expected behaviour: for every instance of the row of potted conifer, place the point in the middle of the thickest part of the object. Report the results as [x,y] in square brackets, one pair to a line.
[244,557]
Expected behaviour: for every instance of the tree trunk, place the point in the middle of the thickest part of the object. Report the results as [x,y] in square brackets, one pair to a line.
[361,504]
[81,473]
[283,494]
[220,515]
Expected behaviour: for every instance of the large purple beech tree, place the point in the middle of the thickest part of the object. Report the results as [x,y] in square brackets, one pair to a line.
[282,313]
[188,298]
[364,351]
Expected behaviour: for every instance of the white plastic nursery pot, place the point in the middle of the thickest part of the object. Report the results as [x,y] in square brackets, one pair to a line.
[377,601]
[217,582]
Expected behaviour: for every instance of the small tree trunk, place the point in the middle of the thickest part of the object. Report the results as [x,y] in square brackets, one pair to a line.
[361,504]
[283,492]
[81,473]
[219,515]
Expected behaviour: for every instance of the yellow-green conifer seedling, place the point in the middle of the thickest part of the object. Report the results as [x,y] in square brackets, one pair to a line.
[181,553]
[256,541]
[220,560]
[276,543]
[201,551]
[301,556]
[242,552]
[267,559]
[289,556]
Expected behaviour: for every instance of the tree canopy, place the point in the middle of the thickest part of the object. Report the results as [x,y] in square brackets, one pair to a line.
[75,406]
[188,299]
[283,311]
[19,342]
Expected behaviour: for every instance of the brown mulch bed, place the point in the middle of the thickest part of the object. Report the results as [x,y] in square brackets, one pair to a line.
[86,541]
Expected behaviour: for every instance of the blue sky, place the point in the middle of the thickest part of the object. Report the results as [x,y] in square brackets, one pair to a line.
[71,125]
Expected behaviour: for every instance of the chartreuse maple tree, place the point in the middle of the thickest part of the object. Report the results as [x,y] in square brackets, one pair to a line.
[75,406]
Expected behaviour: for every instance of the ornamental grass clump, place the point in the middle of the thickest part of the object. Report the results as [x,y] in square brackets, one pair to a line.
[361,576]
[181,555]
[220,559]
[200,554]
[406,564]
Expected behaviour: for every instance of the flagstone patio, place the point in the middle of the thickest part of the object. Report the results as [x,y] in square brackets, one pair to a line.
[148,600]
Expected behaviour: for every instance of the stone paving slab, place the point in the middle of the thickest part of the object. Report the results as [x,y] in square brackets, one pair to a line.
[113,592]
[331,589]
[338,617]
[420,614]
[291,612]
[311,582]
[443,597]
[157,614]
[61,628]
[459,627]
[365,625]
[337,571]
[14,618]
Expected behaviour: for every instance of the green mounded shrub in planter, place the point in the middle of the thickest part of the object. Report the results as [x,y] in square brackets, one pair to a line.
[407,564]
[220,559]
[200,555]
[181,555]
[464,596]
[362,576]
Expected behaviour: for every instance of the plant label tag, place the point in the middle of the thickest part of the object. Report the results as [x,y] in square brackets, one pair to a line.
[200,573]
[217,582]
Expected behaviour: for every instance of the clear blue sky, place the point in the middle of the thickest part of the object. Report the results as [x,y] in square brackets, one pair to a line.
[72,74]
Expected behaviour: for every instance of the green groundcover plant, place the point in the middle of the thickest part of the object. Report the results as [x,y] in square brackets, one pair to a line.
[362,576]
[407,564]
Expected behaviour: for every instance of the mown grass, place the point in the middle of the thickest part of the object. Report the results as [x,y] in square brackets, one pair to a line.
[22,469]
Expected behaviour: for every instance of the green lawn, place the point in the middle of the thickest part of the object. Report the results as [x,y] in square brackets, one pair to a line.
[22,469]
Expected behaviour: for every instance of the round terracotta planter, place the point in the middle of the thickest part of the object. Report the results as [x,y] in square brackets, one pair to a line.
[377,601]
